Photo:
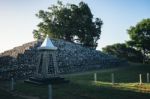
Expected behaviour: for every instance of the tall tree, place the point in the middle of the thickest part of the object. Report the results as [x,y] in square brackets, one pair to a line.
[140,37]
[70,22]
[124,52]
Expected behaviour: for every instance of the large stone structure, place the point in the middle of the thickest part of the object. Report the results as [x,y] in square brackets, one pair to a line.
[70,57]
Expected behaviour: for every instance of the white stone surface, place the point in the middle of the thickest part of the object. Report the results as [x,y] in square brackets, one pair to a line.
[47,44]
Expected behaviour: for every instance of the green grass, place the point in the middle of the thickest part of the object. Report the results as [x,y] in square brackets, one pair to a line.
[7,95]
[82,86]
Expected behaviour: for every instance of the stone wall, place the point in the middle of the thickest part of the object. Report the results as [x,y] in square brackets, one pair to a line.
[71,57]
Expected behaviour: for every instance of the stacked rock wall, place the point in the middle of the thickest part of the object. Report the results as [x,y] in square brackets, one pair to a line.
[71,57]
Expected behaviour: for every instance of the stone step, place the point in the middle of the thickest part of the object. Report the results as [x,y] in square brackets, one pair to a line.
[46,79]
[43,81]
[33,82]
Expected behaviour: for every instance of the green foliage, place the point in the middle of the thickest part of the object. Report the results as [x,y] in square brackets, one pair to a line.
[124,52]
[70,22]
[140,37]
[137,49]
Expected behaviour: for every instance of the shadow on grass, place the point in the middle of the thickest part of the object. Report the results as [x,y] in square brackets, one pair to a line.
[81,90]
[6,95]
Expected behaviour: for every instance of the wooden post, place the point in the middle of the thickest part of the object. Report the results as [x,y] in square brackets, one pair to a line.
[95,77]
[112,78]
[147,77]
[12,84]
[49,91]
[140,78]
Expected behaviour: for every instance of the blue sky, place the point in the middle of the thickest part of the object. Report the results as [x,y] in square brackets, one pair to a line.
[17,19]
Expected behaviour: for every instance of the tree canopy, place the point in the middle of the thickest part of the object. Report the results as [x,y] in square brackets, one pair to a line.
[137,49]
[123,51]
[140,37]
[74,23]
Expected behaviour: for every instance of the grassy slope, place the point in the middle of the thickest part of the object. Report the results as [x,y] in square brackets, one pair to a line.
[81,86]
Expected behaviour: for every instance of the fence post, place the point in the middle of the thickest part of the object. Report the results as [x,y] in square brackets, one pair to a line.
[112,78]
[12,84]
[95,77]
[49,91]
[140,78]
[147,77]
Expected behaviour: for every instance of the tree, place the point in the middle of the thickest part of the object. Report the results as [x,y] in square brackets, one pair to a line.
[70,22]
[124,52]
[140,37]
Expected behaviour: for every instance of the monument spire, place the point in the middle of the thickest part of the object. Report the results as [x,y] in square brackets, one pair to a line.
[47,44]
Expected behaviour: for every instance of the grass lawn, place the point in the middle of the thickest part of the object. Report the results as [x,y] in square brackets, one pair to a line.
[82,86]
[6,95]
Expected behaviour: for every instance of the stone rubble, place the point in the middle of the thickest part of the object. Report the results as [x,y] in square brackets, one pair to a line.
[71,57]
